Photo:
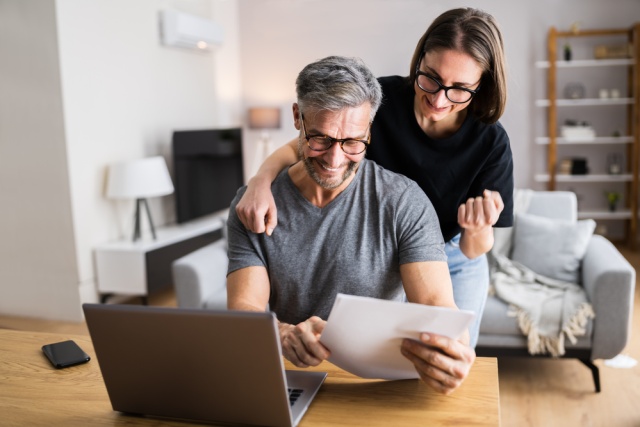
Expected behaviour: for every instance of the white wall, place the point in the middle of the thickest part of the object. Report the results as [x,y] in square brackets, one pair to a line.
[38,269]
[124,94]
[112,93]
[279,37]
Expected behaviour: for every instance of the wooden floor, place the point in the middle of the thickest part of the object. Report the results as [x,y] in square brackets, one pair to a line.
[533,392]
[545,392]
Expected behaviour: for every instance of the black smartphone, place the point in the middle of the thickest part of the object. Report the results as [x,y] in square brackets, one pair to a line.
[64,354]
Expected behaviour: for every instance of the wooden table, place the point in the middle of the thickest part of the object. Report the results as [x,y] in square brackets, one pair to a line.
[34,393]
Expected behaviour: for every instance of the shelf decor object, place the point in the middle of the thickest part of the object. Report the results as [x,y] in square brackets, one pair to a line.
[139,180]
[567,52]
[613,51]
[577,132]
[614,164]
[612,199]
[574,91]
[623,96]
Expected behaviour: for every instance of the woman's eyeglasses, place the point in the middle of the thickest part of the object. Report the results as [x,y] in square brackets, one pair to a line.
[455,94]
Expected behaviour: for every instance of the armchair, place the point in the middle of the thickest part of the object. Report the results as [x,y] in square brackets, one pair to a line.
[608,280]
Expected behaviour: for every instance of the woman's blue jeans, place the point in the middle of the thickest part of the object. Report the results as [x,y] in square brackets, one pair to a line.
[470,279]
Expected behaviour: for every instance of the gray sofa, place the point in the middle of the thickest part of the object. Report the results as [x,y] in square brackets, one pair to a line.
[609,281]
[200,278]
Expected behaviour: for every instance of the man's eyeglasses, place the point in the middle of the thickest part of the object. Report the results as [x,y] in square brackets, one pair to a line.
[324,142]
[455,94]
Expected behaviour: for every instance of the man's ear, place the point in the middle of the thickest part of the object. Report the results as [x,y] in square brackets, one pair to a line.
[296,115]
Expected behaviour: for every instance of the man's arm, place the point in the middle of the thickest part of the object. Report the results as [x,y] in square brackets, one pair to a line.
[428,283]
[441,362]
[248,289]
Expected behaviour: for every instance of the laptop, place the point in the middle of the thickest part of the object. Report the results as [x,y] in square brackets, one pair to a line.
[202,365]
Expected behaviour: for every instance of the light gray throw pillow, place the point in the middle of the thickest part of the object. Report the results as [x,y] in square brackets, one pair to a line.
[551,247]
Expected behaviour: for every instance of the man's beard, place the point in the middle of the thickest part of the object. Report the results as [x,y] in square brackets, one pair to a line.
[311,170]
[326,184]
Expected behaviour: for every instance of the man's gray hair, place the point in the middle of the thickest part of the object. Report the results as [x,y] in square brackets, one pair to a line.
[337,82]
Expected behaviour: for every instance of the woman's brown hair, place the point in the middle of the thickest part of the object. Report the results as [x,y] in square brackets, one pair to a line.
[475,33]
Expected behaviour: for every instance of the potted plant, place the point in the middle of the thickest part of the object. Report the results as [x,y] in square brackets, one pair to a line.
[567,51]
[612,198]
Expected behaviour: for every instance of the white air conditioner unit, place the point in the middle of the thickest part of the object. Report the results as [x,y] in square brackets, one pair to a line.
[188,31]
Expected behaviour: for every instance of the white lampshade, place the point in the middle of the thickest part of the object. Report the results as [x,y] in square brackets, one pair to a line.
[139,179]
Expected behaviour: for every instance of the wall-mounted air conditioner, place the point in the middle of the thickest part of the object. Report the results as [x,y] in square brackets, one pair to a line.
[188,31]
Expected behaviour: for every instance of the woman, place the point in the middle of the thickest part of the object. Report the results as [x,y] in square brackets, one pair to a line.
[439,127]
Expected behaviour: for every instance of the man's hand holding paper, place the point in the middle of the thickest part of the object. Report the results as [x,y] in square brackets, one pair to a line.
[375,338]
[441,362]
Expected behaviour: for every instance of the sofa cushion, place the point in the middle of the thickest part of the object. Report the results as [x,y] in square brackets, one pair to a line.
[496,321]
[550,247]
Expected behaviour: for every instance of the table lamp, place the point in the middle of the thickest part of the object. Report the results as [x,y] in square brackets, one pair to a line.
[139,179]
[264,118]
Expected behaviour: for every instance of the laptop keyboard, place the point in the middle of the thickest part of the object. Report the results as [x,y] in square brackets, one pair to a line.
[294,394]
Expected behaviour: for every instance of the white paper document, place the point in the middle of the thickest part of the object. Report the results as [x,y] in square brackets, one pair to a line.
[364,334]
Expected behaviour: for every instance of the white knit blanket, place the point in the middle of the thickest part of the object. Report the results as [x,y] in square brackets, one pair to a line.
[547,310]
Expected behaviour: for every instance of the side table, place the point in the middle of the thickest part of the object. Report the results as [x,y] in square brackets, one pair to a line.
[139,268]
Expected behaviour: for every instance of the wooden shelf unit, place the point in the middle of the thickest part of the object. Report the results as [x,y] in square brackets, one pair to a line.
[629,213]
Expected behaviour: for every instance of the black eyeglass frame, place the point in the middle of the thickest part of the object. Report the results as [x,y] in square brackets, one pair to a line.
[333,140]
[472,92]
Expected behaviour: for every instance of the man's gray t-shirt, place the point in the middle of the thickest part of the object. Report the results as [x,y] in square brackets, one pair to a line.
[354,245]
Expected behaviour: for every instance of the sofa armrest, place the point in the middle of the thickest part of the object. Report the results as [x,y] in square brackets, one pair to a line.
[609,281]
[200,278]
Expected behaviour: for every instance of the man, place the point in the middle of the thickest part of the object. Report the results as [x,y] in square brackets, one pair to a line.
[344,225]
